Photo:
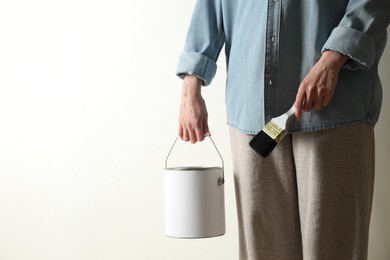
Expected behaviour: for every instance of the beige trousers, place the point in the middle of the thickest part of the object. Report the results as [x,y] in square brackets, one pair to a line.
[309,199]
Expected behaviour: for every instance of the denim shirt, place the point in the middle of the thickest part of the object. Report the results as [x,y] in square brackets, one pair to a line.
[270,46]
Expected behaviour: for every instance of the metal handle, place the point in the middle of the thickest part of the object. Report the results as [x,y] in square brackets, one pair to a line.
[221,180]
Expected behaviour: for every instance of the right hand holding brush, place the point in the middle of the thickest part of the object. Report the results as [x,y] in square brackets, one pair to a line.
[317,88]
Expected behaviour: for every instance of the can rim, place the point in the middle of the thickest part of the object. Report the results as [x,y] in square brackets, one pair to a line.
[193,168]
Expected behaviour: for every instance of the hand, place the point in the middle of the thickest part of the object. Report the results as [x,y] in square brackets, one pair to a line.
[317,88]
[193,125]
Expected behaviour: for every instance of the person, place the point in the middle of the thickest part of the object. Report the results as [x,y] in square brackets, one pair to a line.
[311,197]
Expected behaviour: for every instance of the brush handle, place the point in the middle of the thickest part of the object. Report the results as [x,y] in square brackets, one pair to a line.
[282,119]
[291,111]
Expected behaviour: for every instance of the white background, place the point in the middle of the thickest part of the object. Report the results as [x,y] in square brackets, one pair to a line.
[88,111]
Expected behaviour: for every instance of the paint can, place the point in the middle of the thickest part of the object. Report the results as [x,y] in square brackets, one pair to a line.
[194,200]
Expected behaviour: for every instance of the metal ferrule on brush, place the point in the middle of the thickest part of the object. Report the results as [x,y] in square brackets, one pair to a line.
[274,131]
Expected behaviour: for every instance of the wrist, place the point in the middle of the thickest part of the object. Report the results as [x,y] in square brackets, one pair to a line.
[334,59]
[191,86]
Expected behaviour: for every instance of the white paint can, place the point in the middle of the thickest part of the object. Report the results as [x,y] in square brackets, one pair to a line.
[194,201]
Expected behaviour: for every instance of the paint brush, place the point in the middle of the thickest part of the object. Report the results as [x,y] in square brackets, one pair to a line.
[271,134]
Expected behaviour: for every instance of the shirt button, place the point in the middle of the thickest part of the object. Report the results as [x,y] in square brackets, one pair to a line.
[273,38]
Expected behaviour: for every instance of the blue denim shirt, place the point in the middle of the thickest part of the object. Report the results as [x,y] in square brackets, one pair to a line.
[271,45]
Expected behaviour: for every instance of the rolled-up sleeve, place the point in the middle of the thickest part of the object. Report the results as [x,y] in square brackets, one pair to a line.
[364,23]
[204,41]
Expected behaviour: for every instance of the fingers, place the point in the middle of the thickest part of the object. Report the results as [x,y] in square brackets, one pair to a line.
[193,134]
[326,99]
[202,130]
[309,98]
[180,132]
[188,133]
[314,98]
[317,88]
[206,130]
[199,135]
[299,101]
[313,95]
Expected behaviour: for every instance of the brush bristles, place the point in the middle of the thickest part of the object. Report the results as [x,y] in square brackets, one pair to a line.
[271,134]
[263,144]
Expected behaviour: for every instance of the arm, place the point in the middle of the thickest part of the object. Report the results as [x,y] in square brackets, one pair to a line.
[204,41]
[363,25]
[351,45]
[197,67]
